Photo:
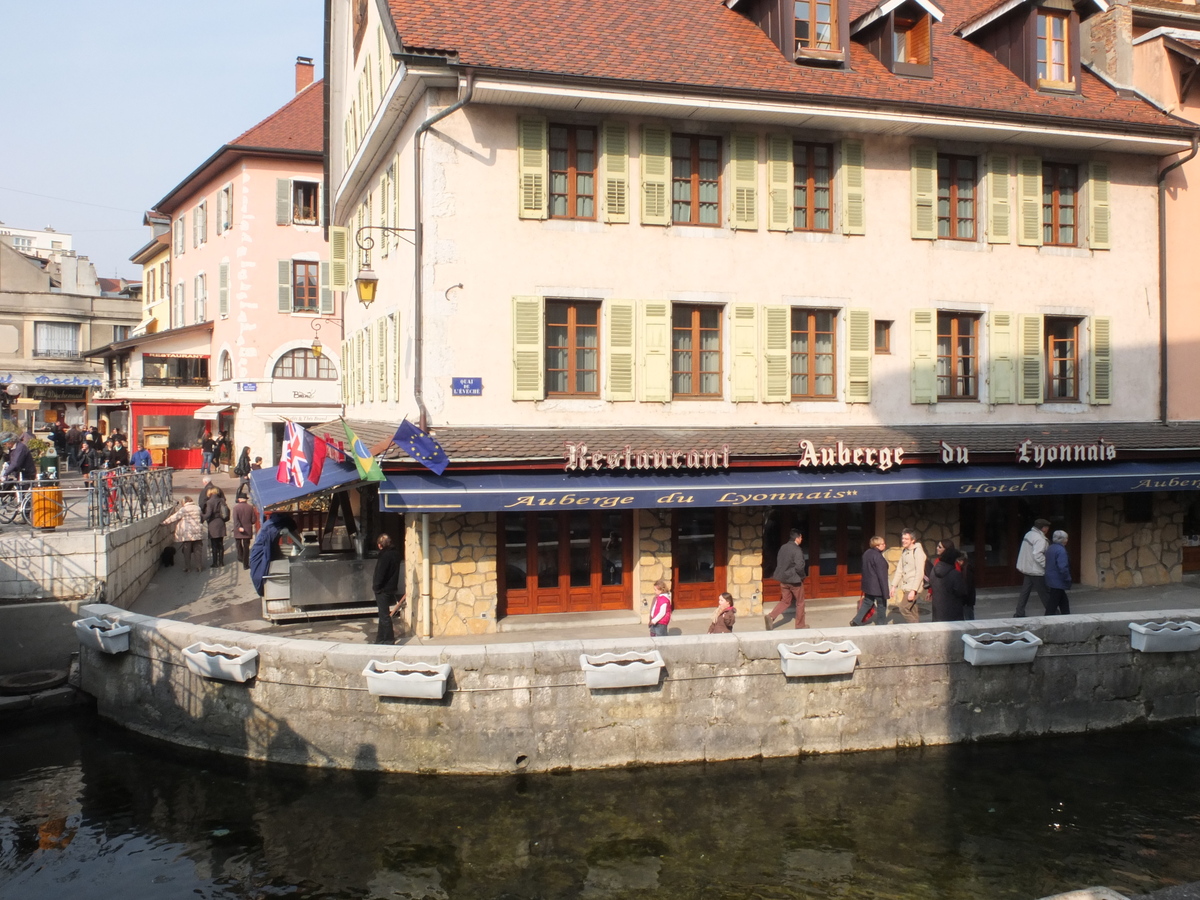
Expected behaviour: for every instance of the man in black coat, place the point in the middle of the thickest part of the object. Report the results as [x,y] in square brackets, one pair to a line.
[20,459]
[386,586]
[874,585]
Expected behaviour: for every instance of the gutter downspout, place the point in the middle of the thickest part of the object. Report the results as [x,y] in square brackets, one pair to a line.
[1162,277]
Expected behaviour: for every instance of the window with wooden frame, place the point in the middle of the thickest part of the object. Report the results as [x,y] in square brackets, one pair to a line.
[226,367]
[696,352]
[812,203]
[304,203]
[816,25]
[883,336]
[695,180]
[956,197]
[572,349]
[1053,48]
[957,356]
[911,38]
[306,293]
[1060,197]
[814,354]
[1062,358]
[572,172]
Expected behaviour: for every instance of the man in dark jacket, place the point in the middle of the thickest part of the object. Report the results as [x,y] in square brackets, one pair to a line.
[20,460]
[790,570]
[874,585]
[386,586]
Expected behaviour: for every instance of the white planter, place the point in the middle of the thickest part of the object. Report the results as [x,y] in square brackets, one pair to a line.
[105,636]
[621,670]
[1004,649]
[221,662]
[1164,637]
[418,680]
[806,660]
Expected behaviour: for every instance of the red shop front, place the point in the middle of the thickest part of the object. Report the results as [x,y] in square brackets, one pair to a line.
[185,432]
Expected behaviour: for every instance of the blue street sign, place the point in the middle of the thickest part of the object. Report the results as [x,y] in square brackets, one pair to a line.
[466,387]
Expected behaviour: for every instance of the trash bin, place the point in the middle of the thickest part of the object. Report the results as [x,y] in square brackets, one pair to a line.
[48,509]
[48,466]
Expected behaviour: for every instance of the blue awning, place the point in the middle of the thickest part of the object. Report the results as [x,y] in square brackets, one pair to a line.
[266,492]
[426,492]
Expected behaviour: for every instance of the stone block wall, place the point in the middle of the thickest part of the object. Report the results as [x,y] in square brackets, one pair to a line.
[744,567]
[1132,554]
[653,557]
[933,520]
[464,584]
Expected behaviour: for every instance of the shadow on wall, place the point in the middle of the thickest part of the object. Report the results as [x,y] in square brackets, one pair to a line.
[48,567]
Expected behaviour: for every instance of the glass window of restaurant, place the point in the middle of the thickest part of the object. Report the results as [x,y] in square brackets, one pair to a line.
[698,553]
[835,537]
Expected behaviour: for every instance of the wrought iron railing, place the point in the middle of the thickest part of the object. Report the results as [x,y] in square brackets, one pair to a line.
[120,496]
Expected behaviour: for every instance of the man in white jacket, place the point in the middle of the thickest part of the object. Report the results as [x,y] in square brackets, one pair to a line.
[1031,562]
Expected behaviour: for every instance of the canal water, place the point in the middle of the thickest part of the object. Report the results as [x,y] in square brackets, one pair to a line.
[88,811]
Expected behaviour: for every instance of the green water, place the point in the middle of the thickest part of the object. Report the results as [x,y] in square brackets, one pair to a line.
[89,811]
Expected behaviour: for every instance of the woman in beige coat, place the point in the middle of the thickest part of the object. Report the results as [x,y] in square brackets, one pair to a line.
[189,532]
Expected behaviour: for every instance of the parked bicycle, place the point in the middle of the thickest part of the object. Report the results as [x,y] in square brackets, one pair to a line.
[16,502]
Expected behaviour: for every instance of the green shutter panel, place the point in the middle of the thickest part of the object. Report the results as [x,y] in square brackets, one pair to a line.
[399,358]
[223,289]
[615,166]
[859,340]
[744,163]
[924,193]
[656,351]
[924,356]
[1029,198]
[285,285]
[656,174]
[1002,367]
[528,368]
[1101,360]
[533,167]
[621,318]
[370,363]
[744,342]
[854,177]
[777,356]
[999,207]
[1032,373]
[381,358]
[339,255]
[283,201]
[780,181]
[1099,235]
[345,384]
[360,365]
[326,292]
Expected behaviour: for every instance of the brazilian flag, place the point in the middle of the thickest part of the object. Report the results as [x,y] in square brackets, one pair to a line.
[368,468]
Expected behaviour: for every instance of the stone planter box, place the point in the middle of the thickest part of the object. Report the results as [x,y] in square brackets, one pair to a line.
[621,670]
[1004,649]
[1164,637]
[221,662]
[806,660]
[103,635]
[416,680]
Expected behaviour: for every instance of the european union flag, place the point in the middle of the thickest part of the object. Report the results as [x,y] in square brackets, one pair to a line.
[421,447]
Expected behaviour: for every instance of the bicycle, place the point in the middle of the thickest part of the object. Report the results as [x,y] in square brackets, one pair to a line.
[16,503]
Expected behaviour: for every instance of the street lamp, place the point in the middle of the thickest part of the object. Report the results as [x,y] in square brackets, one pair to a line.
[367,281]
[317,347]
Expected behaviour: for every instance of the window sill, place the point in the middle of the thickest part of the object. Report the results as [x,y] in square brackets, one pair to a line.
[820,57]
[1058,87]
[1055,250]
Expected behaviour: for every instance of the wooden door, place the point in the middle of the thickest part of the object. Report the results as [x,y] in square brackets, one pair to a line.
[835,537]
[992,531]
[698,554]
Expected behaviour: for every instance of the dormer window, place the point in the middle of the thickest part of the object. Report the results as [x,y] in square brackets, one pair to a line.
[1053,49]
[1038,40]
[816,28]
[899,33]
[805,31]
[911,40]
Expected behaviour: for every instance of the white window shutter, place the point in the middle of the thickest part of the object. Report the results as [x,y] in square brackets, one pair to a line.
[533,163]
[999,205]
[859,340]
[1002,367]
[615,168]
[326,291]
[1099,214]
[1029,198]
[744,165]
[1032,372]
[655,164]
[854,196]
[285,285]
[780,182]
[777,354]
[283,201]
[924,356]
[1101,360]
[744,344]
[223,289]
[529,371]
[924,192]
[656,351]
[339,258]
[621,317]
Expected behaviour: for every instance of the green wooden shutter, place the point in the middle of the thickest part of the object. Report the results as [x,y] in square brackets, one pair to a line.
[924,356]
[744,343]
[283,201]
[370,363]
[285,285]
[1099,216]
[615,166]
[777,355]
[859,341]
[1032,370]
[744,196]
[780,182]
[854,198]
[1101,360]
[656,351]
[345,374]
[924,192]
[656,174]
[399,355]
[1002,367]
[339,256]
[621,318]
[999,205]
[1029,198]
[529,371]
[223,289]
[533,167]
[381,359]
[326,292]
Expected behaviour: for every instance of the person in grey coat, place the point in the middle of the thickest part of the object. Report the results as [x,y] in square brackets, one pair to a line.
[875,587]
[790,570]
[1031,563]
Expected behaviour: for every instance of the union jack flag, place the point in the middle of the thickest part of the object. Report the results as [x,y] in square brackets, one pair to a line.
[294,461]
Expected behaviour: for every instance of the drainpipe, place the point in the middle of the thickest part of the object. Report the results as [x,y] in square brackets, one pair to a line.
[1162,276]
[426,580]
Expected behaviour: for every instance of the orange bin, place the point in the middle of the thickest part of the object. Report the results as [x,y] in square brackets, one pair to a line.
[48,508]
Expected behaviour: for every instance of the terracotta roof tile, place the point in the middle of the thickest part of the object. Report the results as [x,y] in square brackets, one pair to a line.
[297,125]
[702,44]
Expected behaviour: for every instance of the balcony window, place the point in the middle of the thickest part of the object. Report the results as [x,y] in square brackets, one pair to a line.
[56,340]
[175,371]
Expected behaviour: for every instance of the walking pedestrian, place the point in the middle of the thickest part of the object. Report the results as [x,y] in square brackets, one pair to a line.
[968,574]
[74,440]
[216,514]
[1031,563]
[909,578]
[660,610]
[724,617]
[791,568]
[189,531]
[386,585]
[245,517]
[947,590]
[874,602]
[208,447]
[1058,576]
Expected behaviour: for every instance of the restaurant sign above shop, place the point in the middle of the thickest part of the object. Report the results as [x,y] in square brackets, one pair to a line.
[580,459]
[841,456]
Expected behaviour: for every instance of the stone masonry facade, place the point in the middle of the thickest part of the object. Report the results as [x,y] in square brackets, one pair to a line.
[1132,554]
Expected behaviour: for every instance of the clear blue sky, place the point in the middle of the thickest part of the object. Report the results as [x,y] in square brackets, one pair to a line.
[113,102]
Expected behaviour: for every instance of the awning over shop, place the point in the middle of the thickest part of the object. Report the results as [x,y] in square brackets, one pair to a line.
[297,413]
[409,493]
[209,413]
[265,491]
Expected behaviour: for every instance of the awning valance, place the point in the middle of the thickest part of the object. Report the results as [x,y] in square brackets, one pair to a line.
[417,492]
[209,413]
[266,492]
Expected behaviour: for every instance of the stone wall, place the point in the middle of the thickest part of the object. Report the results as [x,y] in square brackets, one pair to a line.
[932,520]
[1132,554]
[513,707]
[653,557]
[465,590]
[744,568]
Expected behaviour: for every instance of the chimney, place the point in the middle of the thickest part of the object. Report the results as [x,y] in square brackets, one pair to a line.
[304,72]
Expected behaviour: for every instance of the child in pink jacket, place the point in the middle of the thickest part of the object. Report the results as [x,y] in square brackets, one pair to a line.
[660,610]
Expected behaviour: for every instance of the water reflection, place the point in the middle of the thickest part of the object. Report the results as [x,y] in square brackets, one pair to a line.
[88,811]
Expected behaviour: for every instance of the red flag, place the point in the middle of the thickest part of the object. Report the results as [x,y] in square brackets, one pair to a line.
[318,461]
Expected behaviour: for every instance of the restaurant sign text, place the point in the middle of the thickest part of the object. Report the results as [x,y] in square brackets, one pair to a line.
[579,458]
